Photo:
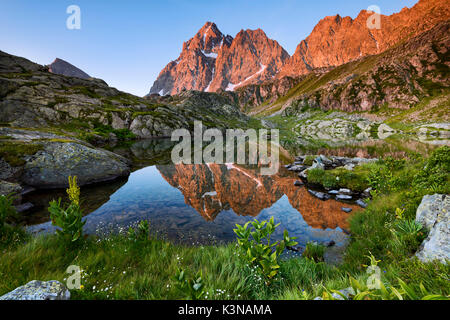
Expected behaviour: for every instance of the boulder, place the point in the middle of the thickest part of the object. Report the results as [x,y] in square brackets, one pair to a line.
[51,167]
[434,214]
[39,290]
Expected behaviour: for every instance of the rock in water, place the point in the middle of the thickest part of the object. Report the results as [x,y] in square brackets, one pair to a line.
[319,195]
[433,214]
[361,203]
[343,197]
[298,183]
[39,290]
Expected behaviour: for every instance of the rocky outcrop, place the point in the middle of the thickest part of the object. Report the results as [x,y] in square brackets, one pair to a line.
[398,78]
[64,68]
[434,214]
[54,158]
[211,61]
[39,290]
[266,92]
[32,97]
[337,40]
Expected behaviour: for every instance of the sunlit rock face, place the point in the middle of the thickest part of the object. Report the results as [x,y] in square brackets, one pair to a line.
[211,61]
[336,40]
[212,188]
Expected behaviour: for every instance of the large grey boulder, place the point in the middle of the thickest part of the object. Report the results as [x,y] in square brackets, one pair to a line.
[39,290]
[433,214]
[51,167]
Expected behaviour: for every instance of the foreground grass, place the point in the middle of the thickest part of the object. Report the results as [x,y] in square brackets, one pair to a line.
[122,268]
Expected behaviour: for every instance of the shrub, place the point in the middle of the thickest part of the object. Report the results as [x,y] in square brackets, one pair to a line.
[141,232]
[408,235]
[258,248]
[68,219]
[379,290]
[191,288]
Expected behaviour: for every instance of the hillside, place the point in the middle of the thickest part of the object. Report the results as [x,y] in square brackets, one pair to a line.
[397,79]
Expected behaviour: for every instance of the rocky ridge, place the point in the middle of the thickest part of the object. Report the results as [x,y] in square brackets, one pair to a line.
[211,61]
[348,39]
[399,78]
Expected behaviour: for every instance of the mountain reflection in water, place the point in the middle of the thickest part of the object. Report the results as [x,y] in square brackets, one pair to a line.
[200,204]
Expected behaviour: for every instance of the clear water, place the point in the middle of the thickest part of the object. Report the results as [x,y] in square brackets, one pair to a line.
[201,204]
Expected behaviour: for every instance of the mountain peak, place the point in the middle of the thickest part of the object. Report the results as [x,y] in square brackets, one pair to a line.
[211,61]
[62,67]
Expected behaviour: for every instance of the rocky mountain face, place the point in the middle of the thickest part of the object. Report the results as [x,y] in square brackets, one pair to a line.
[398,78]
[64,68]
[337,40]
[211,61]
[263,75]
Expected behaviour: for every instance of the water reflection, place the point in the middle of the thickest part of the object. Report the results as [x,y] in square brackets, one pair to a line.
[202,204]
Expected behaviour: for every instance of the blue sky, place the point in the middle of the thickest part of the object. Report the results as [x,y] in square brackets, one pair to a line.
[127,43]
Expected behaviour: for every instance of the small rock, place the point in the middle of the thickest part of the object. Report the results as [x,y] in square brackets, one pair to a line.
[319,195]
[366,192]
[331,243]
[345,191]
[303,174]
[349,167]
[297,168]
[39,290]
[347,210]
[343,197]
[333,192]
[298,183]
[24,207]
[361,203]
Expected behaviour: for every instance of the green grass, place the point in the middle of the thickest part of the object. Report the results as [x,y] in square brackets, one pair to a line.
[143,269]
[356,180]
[13,152]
